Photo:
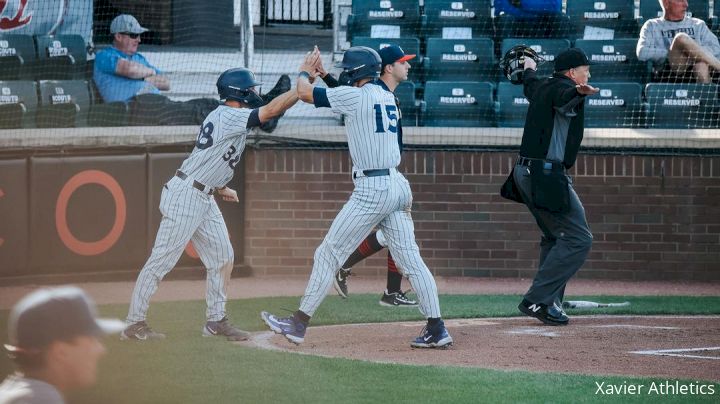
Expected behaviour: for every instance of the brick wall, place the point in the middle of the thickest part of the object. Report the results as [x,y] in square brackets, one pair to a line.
[652,217]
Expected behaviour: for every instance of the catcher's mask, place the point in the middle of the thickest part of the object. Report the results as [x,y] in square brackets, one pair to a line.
[513,63]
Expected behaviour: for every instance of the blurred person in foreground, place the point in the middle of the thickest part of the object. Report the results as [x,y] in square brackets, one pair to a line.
[54,341]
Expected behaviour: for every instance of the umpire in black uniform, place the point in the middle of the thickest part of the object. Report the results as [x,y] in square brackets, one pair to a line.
[551,139]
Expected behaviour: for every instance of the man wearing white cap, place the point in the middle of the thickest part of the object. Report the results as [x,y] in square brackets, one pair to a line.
[54,342]
[121,73]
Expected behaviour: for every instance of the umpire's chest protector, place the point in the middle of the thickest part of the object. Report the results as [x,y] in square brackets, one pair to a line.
[545,96]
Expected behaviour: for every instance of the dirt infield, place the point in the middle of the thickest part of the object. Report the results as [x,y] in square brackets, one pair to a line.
[689,347]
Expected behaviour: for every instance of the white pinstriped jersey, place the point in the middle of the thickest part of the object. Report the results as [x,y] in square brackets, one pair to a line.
[371,123]
[218,147]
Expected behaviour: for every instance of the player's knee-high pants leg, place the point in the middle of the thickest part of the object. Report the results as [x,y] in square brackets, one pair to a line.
[371,200]
[386,201]
[187,214]
[399,231]
[212,242]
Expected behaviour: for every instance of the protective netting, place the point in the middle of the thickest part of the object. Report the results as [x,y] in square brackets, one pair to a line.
[50,54]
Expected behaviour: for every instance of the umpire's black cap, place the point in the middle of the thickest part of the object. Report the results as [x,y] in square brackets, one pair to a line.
[570,59]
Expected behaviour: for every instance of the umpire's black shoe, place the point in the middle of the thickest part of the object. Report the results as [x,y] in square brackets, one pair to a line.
[550,315]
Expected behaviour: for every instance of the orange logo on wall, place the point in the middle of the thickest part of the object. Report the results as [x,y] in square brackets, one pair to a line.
[95,247]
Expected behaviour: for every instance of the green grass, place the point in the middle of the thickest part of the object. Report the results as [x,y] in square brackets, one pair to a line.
[187,368]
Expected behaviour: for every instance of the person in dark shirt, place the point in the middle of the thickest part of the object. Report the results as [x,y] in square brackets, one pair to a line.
[551,139]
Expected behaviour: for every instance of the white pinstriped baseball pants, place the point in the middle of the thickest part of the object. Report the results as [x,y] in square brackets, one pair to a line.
[188,214]
[385,202]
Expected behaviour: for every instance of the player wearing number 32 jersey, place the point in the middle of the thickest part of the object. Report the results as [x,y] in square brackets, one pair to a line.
[188,207]
[381,197]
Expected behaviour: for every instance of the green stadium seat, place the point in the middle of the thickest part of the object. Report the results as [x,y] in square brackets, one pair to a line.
[106,114]
[512,105]
[384,19]
[617,105]
[614,60]
[18,104]
[685,106]
[61,57]
[615,15]
[409,46]
[458,19]
[461,103]
[405,93]
[547,48]
[17,57]
[63,104]
[461,60]
[696,8]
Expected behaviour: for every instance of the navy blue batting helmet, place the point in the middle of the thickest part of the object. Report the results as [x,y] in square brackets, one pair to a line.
[236,84]
[360,62]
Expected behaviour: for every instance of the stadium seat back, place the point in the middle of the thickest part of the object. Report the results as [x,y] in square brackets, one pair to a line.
[617,105]
[61,57]
[547,48]
[461,103]
[17,57]
[18,104]
[384,19]
[458,19]
[595,19]
[411,46]
[614,60]
[405,93]
[63,103]
[683,106]
[461,60]
[513,105]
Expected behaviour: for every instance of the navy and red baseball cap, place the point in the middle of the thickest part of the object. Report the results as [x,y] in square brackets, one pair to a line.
[393,53]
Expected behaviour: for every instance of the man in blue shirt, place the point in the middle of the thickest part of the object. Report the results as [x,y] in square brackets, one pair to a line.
[122,74]
[531,18]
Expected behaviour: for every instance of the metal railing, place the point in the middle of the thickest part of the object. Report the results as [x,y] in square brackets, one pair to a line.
[297,12]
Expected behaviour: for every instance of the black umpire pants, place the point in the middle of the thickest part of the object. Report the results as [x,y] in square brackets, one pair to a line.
[564,246]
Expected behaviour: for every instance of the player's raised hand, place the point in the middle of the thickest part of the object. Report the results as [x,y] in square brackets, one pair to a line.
[319,68]
[586,89]
[310,61]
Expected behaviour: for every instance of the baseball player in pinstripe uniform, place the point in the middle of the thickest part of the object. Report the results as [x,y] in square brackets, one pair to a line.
[189,209]
[394,70]
[381,197]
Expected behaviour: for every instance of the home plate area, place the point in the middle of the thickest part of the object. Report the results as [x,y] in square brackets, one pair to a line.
[661,346]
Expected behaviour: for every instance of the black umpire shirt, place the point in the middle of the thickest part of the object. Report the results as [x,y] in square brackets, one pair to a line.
[555,119]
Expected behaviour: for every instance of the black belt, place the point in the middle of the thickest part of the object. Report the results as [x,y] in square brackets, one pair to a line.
[526,161]
[196,184]
[374,173]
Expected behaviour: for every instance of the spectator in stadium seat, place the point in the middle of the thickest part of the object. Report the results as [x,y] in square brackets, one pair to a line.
[123,74]
[55,344]
[681,48]
[531,18]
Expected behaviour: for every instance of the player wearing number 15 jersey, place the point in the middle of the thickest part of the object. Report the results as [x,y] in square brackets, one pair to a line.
[188,207]
[381,197]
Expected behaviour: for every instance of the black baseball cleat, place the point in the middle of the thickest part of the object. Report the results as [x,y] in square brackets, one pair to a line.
[550,315]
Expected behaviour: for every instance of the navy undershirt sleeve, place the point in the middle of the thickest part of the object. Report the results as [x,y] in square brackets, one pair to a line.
[320,98]
[254,119]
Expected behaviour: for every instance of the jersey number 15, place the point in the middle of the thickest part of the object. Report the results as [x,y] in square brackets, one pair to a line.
[391,112]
